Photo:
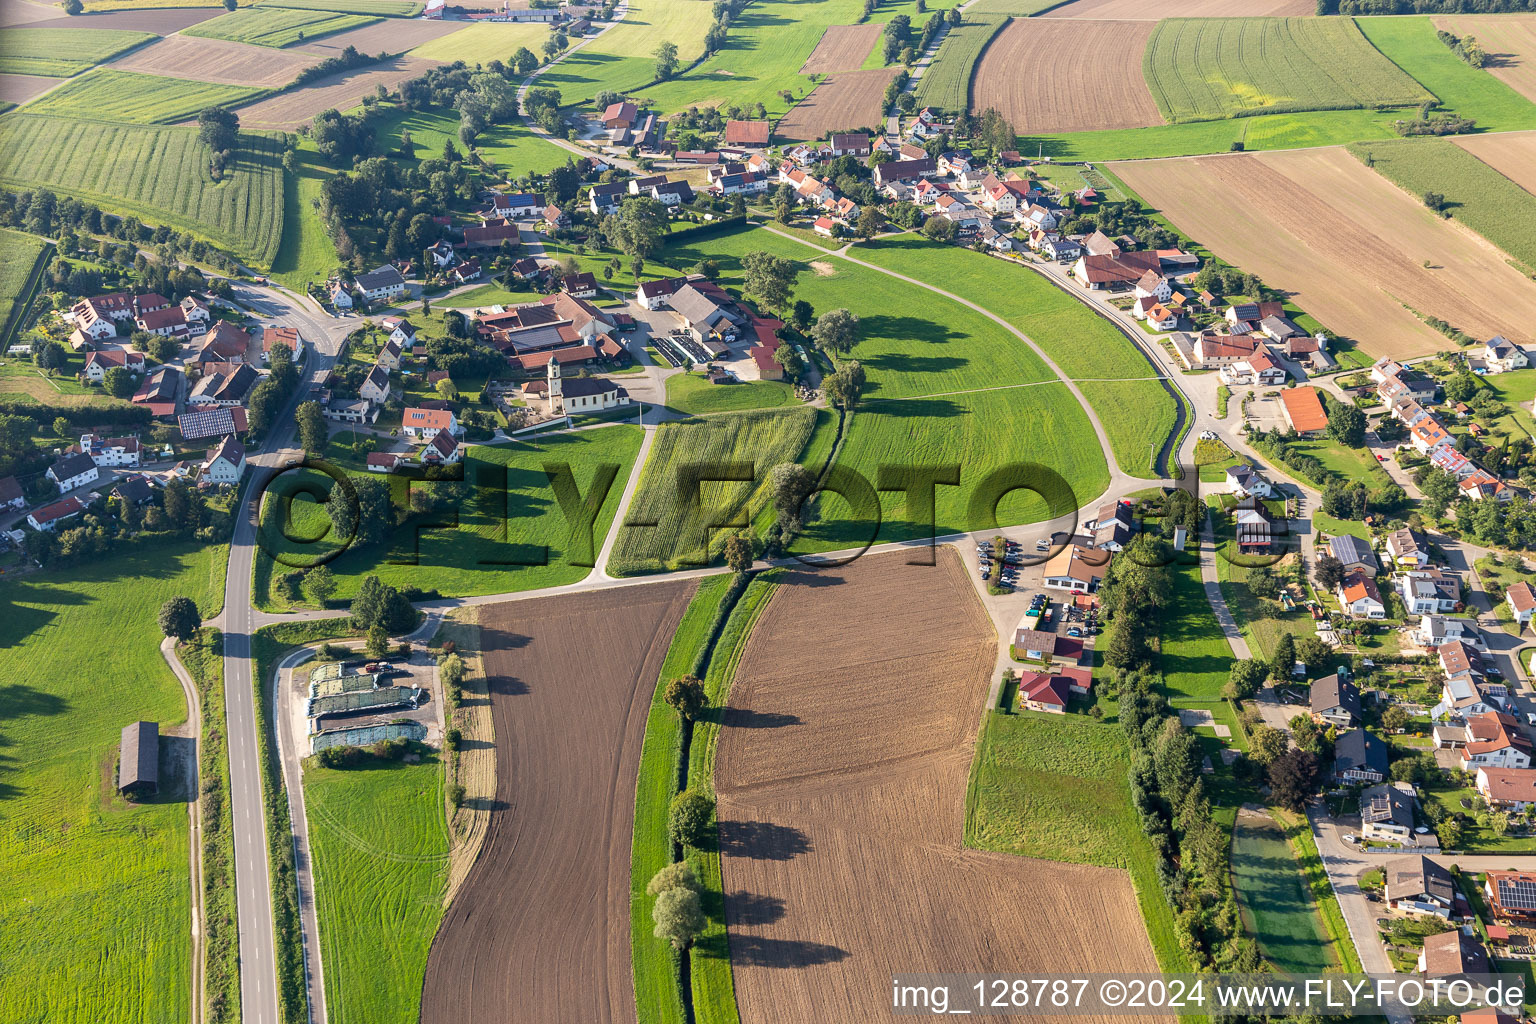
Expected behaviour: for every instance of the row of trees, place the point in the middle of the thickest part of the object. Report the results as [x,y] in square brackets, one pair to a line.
[176,512]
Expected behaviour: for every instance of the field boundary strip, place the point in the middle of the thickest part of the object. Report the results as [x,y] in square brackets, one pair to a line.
[23,300]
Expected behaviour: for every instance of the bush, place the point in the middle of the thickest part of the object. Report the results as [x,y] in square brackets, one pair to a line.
[455,795]
[688,822]
[452,738]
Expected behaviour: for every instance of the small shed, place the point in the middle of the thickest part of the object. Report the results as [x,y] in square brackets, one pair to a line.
[138,768]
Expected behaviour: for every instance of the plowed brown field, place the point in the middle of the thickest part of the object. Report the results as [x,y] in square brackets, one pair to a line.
[289,110]
[841,778]
[1347,243]
[20,88]
[1092,79]
[162,21]
[392,35]
[1512,154]
[217,60]
[1510,42]
[842,102]
[842,48]
[540,929]
[1157,10]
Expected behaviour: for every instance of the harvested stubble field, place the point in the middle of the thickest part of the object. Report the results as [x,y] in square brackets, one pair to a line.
[1051,95]
[842,102]
[540,930]
[161,21]
[1512,154]
[140,99]
[946,83]
[842,48]
[156,173]
[217,60]
[1510,42]
[298,107]
[60,52]
[841,776]
[1157,10]
[1346,243]
[270,26]
[1203,68]
[393,35]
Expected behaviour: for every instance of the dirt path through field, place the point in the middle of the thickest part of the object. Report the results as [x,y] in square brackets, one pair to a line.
[540,929]
[841,775]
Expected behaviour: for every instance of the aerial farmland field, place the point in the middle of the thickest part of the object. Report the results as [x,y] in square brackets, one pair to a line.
[837,805]
[1051,96]
[387,35]
[622,58]
[842,48]
[156,173]
[542,923]
[1512,154]
[217,60]
[1156,10]
[1412,45]
[384,8]
[842,102]
[946,83]
[19,256]
[137,98]
[297,107]
[62,52]
[271,26]
[475,44]
[1346,243]
[1201,68]
[1509,39]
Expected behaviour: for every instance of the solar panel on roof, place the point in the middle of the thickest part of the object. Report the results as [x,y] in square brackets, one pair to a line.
[1517,893]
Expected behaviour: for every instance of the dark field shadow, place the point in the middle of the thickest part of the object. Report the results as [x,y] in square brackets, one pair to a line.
[757,951]
[746,718]
[18,700]
[762,840]
[750,908]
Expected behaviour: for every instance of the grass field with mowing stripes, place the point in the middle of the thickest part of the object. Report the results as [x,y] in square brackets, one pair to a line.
[138,99]
[96,897]
[379,837]
[1277,905]
[386,8]
[276,27]
[693,394]
[158,174]
[622,59]
[62,52]
[1200,68]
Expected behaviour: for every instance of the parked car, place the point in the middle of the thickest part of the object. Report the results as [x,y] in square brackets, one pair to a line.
[1350,837]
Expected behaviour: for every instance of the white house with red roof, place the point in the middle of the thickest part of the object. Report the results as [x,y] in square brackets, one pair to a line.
[50,516]
[111,451]
[1521,599]
[443,450]
[98,363]
[420,423]
[225,464]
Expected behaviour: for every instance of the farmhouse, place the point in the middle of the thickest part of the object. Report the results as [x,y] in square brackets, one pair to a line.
[1213,350]
[134,490]
[1244,481]
[1110,272]
[74,469]
[111,451]
[1502,355]
[271,337]
[98,363]
[707,311]
[158,392]
[848,144]
[620,115]
[1418,885]
[1336,700]
[903,170]
[341,294]
[138,761]
[217,388]
[226,343]
[375,387]
[1511,894]
[48,517]
[442,450]
[170,322]
[211,421]
[1354,553]
[382,283]
[605,198]
[1303,410]
[748,134]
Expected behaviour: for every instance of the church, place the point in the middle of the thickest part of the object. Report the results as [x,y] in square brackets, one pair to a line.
[577,395]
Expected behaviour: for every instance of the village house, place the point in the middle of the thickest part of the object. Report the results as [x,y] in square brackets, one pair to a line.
[97,363]
[1355,554]
[11,495]
[1246,317]
[443,450]
[1098,273]
[390,354]
[854,144]
[1493,740]
[218,388]
[1502,355]
[225,464]
[1213,351]
[211,421]
[1359,756]
[1428,591]
[168,322]
[1510,894]
[1113,526]
[1255,527]
[360,411]
[1507,789]
[582,286]
[1416,884]
[384,462]
[1244,481]
[401,331]
[465,271]
[226,343]
[375,387]
[1076,567]
[1452,953]
[1386,813]
[1409,548]
[340,294]
[381,284]
[748,134]
[707,311]
[605,198]
[903,170]
[48,517]
[1439,630]
[422,423]
[441,252]
[158,392]
[1303,410]
[1359,597]
[134,490]
[1334,699]
[271,337]
[72,470]
[1521,598]
[111,451]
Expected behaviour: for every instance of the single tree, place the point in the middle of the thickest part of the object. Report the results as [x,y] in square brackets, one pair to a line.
[688,817]
[685,695]
[836,331]
[378,640]
[1284,659]
[666,61]
[1293,778]
[319,584]
[118,382]
[846,385]
[790,484]
[312,429]
[1329,572]
[1266,743]
[738,553]
[180,618]
[678,875]
[679,917]
[803,315]
[1394,719]
[770,278]
[1246,678]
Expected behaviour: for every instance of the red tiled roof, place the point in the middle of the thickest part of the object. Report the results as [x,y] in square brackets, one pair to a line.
[1304,409]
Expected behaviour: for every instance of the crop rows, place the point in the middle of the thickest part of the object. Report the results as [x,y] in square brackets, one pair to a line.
[763,439]
[61,52]
[262,26]
[140,99]
[946,83]
[1205,68]
[19,256]
[158,174]
[388,8]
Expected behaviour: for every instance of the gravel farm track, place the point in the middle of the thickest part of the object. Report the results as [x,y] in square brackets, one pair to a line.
[1093,80]
[842,48]
[1157,10]
[1346,244]
[843,760]
[217,60]
[1510,42]
[290,110]
[540,929]
[842,102]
